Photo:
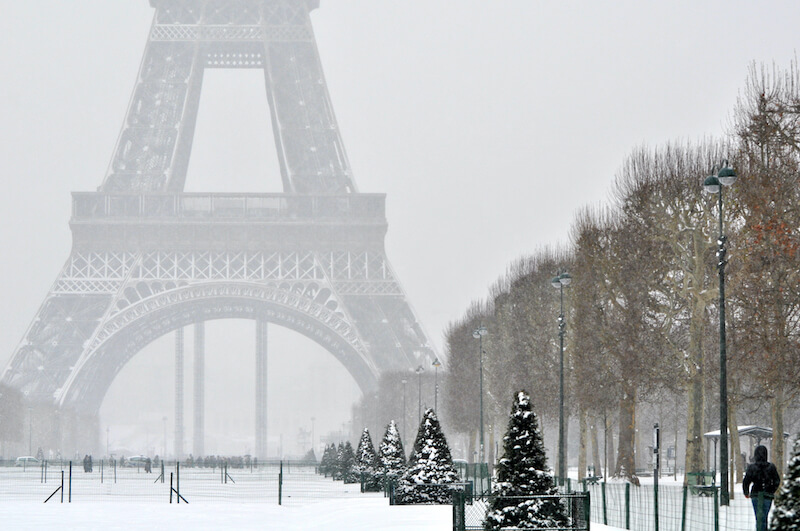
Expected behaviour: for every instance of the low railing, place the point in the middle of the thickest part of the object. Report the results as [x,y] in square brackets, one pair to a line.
[88,206]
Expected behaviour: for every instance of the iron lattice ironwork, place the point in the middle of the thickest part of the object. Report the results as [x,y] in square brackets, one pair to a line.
[148,258]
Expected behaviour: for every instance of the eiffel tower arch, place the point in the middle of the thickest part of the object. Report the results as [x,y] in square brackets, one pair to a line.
[148,258]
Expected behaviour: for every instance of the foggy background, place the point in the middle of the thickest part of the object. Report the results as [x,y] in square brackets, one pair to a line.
[487,124]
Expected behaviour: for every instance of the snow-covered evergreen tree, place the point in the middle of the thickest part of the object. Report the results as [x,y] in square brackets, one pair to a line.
[523,471]
[328,463]
[367,466]
[786,516]
[347,464]
[431,469]
[337,465]
[391,455]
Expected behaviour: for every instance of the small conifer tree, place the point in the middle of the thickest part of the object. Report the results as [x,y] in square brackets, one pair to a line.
[391,455]
[347,464]
[431,470]
[338,467]
[523,471]
[367,465]
[328,464]
[786,516]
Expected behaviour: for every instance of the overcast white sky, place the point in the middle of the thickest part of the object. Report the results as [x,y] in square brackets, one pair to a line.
[486,123]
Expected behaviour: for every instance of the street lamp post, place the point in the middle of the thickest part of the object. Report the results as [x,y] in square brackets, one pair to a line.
[30,431]
[404,409]
[436,365]
[478,334]
[559,282]
[713,184]
[164,455]
[419,371]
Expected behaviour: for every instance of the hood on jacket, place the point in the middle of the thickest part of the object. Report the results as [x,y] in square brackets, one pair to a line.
[760,454]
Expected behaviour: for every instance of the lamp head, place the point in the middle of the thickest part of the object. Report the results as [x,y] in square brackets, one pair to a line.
[711,185]
[565,279]
[556,282]
[436,363]
[726,176]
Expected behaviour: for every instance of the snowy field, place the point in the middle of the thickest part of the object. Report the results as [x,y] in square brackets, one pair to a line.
[138,501]
[249,500]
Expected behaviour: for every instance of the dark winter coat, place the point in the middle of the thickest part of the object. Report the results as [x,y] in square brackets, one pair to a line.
[761,475]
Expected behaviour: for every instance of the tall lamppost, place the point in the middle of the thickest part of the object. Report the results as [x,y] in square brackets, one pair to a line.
[419,371]
[713,185]
[559,282]
[164,455]
[436,364]
[312,434]
[478,334]
[30,430]
[404,409]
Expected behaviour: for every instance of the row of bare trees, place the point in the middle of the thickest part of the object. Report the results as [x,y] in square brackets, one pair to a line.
[643,304]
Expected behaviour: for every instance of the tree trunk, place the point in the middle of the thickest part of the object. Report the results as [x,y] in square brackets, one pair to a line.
[626,463]
[471,453]
[595,448]
[695,456]
[609,450]
[736,447]
[777,430]
[582,452]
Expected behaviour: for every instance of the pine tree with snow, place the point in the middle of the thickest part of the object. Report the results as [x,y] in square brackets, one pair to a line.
[786,515]
[431,470]
[391,455]
[337,464]
[523,471]
[367,465]
[347,464]
[328,458]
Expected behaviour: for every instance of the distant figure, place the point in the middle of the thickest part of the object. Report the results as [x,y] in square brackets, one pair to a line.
[148,466]
[86,463]
[90,463]
[763,476]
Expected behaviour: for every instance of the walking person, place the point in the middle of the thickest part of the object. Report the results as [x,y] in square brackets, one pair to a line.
[760,482]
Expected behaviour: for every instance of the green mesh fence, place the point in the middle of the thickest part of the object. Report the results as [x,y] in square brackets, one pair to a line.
[678,508]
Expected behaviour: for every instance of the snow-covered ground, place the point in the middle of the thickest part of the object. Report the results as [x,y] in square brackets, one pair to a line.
[352,514]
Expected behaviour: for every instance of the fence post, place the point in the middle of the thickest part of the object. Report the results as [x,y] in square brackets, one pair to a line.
[170,487]
[605,512]
[69,499]
[683,508]
[115,470]
[716,510]
[655,499]
[178,480]
[101,471]
[62,486]
[627,505]
[280,483]
[162,471]
[459,520]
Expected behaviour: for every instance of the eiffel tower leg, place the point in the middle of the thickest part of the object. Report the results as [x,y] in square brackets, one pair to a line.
[199,389]
[261,389]
[178,394]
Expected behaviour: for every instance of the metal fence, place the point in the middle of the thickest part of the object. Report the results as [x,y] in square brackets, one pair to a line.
[670,508]
[469,512]
[285,483]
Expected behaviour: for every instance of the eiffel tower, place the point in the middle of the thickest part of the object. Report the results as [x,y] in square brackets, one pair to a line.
[148,259]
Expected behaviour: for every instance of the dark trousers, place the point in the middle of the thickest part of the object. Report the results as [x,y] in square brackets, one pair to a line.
[761,506]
